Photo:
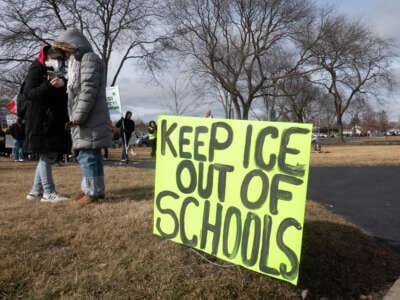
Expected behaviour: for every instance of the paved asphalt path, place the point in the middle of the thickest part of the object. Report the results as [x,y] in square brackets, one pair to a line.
[366,196]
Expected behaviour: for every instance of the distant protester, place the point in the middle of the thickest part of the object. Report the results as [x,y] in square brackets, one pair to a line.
[152,129]
[45,116]
[127,126]
[208,114]
[88,112]
[17,131]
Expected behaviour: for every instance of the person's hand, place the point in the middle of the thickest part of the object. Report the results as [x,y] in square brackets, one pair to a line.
[74,122]
[57,82]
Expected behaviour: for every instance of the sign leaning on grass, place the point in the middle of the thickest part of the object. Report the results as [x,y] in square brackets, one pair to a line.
[234,189]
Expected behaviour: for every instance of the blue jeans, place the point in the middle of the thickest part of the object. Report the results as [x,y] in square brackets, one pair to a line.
[43,181]
[91,163]
[17,151]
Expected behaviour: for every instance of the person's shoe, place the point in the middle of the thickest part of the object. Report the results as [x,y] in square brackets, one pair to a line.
[84,200]
[53,198]
[79,196]
[34,196]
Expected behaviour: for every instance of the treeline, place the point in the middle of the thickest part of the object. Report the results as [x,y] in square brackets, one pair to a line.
[286,60]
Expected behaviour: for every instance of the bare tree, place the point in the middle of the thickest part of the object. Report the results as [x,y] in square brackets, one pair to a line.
[374,121]
[230,40]
[125,29]
[299,95]
[383,121]
[210,91]
[268,108]
[352,60]
[179,98]
[323,113]
[225,99]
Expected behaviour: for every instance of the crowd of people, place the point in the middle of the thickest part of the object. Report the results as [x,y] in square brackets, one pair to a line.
[62,112]
[55,114]
[124,137]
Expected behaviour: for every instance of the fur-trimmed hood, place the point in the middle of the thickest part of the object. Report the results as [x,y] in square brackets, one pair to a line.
[73,41]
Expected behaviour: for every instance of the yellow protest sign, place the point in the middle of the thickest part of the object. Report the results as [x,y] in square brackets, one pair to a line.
[234,189]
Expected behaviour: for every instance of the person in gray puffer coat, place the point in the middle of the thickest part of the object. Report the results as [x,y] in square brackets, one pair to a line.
[88,112]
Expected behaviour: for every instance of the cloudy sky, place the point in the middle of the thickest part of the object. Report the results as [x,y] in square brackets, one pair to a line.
[383,17]
[146,100]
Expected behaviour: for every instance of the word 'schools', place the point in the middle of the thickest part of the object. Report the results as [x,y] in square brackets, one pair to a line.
[234,189]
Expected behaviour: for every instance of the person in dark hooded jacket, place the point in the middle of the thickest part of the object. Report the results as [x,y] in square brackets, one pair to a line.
[45,117]
[17,131]
[127,126]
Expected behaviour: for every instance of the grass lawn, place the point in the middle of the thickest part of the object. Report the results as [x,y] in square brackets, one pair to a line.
[108,251]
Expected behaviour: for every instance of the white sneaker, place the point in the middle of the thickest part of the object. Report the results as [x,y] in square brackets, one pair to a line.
[53,198]
[33,196]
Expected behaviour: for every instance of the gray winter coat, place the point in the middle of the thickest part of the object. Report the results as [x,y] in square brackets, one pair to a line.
[87,100]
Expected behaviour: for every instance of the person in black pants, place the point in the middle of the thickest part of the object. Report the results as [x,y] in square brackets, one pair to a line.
[127,126]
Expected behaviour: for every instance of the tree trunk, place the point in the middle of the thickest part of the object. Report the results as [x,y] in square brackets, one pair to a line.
[246,109]
[339,124]
[236,105]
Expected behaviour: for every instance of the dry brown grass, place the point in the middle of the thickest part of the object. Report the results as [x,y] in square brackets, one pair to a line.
[356,155]
[108,251]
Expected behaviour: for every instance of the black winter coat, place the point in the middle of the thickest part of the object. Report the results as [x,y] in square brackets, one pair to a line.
[128,125]
[17,131]
[46,112]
